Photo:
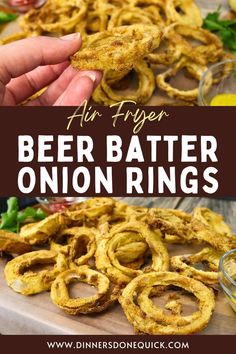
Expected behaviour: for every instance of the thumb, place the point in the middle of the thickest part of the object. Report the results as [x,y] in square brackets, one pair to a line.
[80,89]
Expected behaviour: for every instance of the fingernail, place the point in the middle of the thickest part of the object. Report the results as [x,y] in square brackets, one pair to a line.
[71,37]
[91,76]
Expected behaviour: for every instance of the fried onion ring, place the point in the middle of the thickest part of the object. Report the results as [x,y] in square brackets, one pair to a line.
[104,94]
[91,209]
[179,227]
[12,243]
[195,70]
[118,49]
[185,12]
[23,280]
[40,232]
[79,244]
[56,16]
[106,295]
[149,318]
[185,265]
[126,233]
[211,219]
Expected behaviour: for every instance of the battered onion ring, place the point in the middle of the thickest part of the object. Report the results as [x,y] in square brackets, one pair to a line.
[107,5]
[104,94]
[185,265]
[176,47]
[12,243]
[126,233]
[118,49]
[80,244]
[179,227]
[209,227]
[211,219]
[129,16]
[91,209]
[106,295]
[108,221]
[195,70]
[185,12]
[210,50]
[173,224]
[96,22]
[56,16]
[40,232]
[22,280]
[152,321]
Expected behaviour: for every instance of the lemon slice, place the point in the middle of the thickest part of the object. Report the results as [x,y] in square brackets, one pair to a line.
[224,99]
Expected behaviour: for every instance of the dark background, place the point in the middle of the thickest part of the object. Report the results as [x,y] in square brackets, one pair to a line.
[22,201]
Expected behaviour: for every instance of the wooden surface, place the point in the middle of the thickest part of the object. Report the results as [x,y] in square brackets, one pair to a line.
[37,314]
[180,81]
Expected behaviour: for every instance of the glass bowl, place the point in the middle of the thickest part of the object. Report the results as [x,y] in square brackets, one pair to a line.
[227,276]
[218,79]
[55,204]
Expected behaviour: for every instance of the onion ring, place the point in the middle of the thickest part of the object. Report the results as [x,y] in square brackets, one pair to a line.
[22,280]
[56,16]
[153,322]
[91,209]
[184,265]
[80,244]
[179,227]
[185,12]
[40,232]
[106,295]
[123,234]
[195,70]
[118,49]
[106,95]
[12,243]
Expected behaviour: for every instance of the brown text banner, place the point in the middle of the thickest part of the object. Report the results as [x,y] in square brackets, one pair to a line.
[118,151]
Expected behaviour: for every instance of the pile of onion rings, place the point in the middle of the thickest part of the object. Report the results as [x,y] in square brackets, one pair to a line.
[122,251]
[154,40]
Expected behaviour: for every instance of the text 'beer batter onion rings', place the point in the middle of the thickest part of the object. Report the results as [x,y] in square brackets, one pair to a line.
[123,251]
[148,318]
[158,39]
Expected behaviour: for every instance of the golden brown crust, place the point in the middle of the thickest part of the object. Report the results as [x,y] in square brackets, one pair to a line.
[117,49]
[124,234]
[23,280]
[184,265]
[106,294]
[150,319]
[12,243]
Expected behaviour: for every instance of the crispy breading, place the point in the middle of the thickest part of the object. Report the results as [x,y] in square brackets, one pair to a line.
[118,49]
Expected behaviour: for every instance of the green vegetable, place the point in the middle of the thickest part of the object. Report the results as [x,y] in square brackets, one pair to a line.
[12,204]
[225,29]
[7,17]
[13,218]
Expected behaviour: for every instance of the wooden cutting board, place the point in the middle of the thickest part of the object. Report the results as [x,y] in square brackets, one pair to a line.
[38,315]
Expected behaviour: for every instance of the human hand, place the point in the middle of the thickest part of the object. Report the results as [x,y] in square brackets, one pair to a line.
[28,65]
